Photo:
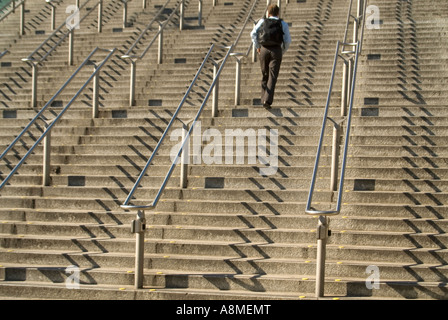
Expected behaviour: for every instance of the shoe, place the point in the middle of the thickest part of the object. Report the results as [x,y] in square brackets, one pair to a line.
[266,105]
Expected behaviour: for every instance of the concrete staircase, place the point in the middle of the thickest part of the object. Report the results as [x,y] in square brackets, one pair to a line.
[232,233]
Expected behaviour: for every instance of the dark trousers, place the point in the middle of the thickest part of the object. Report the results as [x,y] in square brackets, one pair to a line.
[270,61]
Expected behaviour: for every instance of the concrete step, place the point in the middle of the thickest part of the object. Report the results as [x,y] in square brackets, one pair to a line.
[380,238]
[128,293]
[350,209]
[354,289]
[192,219]
[160,281]
[232,266]
[304,252]
[240,170]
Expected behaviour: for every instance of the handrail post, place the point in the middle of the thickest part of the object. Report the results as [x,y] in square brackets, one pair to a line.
[363,24]
[132,85]
[345,87]
[53,12]
[53,15]
[335,157]
[100,16]
[349,77]
[185,157]
[160,51]
[254,50]
[22,19]
[181,15]
[96,87]
[46,159]
[70,46]
[133,63]
[34,76]
[237,80]
[125,13]
[254,54]
[322,236]
[355,30]
[356,22]
[138,227]
[200,14]
[215,90]
[144,4]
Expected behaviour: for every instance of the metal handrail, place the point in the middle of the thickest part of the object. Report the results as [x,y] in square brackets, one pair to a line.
[30,57]
[142,34]
[35,62]
[15,5]
[249,16]
[350,58]
[4,53]
[134,57]
[308,209]
[52,123]
[138,226]
[217,74]
[151,206]
[351,89]
[6,5]
[361,12]
[347,23]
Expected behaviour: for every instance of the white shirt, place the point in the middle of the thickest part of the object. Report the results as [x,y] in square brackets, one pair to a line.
[286,35]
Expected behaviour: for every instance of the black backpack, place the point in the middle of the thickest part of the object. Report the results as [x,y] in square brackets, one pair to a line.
[271,33]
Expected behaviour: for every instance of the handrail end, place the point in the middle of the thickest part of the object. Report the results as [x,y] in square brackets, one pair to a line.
[132,207]
[130,56]
[106,49]
[238,54]
[224,47]
[322,213]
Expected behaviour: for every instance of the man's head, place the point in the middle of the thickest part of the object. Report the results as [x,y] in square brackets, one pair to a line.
[273,10]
